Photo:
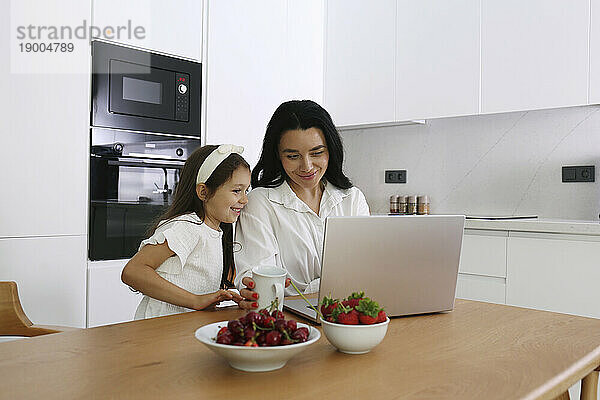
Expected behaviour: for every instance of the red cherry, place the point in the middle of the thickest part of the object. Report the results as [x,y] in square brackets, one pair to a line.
[268,322]
[281,325]
[261,339]
[273,338]
[222,331]
[249,332]
[301,334]
[291,325]
[235,326]
[226,338]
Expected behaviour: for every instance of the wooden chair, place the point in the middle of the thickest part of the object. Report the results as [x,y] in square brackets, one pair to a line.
[589,387]
[564,396]
[13,321]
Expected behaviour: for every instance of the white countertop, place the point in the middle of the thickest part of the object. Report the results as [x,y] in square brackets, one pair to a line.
[574,227]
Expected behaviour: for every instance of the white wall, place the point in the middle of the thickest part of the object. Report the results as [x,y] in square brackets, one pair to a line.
[490,164]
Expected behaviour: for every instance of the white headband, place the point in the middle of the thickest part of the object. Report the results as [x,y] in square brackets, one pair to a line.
[214,159]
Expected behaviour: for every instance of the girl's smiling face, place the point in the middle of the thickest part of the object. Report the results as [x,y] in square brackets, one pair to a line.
[226,203]
[304,156]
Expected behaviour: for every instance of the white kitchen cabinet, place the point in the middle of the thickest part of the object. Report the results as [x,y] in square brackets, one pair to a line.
[44,130]
[554,272]
[534,54]
[393,61]
[437,59]
[173,27]
[51,277]
[481,288]
[110,301]
[484,253]
[259,54]
[359,62]
[303,78]
[594,84]
[482,270]
[45,156]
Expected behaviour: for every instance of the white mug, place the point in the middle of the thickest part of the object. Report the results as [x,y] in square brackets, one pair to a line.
[269,283]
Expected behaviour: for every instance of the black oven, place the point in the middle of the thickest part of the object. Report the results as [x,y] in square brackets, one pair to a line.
[133,178]
[139,90]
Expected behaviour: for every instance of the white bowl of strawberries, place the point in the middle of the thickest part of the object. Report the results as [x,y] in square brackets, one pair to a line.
[355,325]
[258,342]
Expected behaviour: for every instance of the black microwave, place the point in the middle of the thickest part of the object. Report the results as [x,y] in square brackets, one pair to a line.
[139,90]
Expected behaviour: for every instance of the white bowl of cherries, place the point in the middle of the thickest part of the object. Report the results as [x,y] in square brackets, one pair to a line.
[258,341]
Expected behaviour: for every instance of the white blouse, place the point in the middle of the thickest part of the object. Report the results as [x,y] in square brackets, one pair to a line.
[277,228]
[197,265]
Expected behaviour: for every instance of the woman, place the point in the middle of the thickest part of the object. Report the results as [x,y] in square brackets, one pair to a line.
[297,183]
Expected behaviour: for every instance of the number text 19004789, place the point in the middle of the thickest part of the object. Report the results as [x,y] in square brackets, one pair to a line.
[49,47]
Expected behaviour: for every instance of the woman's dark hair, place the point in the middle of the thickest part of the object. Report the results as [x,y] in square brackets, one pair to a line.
[292,115]
[186,200]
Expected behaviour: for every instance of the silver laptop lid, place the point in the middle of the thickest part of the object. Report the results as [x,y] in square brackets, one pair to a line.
[409,264]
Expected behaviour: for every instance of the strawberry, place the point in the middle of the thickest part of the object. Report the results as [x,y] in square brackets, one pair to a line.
[381,317]
[348,318]
[353,299]
[328,304]
[366,319]
[345,315]
[368,311]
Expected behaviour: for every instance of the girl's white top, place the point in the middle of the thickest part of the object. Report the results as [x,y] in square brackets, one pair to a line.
[197,265]
[277,228]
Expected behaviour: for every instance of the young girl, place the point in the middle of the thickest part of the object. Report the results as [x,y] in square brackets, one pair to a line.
[187,264]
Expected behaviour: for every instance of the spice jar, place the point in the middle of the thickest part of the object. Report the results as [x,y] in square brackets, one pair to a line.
[402,205]
[394,204]
[423,205]
[411,207]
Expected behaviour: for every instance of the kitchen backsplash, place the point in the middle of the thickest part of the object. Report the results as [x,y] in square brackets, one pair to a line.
[501,164]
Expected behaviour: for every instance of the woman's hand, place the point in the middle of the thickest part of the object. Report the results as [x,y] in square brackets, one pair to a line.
[210,300]
[249,296]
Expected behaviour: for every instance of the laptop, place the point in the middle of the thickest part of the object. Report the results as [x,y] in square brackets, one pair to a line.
[408,264]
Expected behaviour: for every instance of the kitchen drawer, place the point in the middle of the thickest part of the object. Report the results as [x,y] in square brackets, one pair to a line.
[484,253]
[481,288]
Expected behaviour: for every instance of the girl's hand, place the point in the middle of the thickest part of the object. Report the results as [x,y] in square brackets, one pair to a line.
[236,297]
[210,300]
[249,296]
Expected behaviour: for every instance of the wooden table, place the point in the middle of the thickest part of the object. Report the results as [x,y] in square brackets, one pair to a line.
[478,351]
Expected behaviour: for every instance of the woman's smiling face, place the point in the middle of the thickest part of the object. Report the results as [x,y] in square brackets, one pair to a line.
[304,156]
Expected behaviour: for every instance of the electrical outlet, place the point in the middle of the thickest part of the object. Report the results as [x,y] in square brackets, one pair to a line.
[395,176]
[579,173]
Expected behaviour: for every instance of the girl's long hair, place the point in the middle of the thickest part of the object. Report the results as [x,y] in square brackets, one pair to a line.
[186,200]
[292,115]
